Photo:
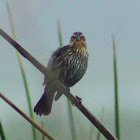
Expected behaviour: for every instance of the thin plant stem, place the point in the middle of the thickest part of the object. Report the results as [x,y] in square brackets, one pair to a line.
[42,124]
[70,113]
[91,133]
[116,98]
[23,74]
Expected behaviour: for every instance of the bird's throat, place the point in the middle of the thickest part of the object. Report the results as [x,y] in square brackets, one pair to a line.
[80,45]
[81,48]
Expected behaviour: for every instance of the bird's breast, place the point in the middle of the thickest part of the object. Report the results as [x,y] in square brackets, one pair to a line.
[80,48]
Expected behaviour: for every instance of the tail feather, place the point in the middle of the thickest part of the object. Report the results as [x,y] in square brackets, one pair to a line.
[44,105]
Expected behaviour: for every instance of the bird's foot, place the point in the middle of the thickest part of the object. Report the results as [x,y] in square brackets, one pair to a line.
[79,99]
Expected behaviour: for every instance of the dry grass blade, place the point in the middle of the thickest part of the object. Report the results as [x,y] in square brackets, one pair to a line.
[23,73]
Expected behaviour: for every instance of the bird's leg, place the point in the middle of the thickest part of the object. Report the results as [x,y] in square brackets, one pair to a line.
[78,98]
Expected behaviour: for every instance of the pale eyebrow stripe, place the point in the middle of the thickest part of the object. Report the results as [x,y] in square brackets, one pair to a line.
[74,35]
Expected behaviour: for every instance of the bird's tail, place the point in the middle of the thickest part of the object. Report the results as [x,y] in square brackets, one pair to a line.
[44,105]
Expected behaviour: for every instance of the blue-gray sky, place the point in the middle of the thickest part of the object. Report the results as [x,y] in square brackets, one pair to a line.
[35,25]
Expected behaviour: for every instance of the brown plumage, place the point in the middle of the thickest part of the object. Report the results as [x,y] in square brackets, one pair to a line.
[68,65]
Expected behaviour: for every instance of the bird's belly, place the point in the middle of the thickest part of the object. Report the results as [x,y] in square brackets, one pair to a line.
[73,72]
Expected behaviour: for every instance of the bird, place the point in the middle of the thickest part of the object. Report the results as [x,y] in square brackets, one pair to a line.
[68,64]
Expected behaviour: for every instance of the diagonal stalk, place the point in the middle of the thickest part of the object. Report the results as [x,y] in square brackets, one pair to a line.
[31,121]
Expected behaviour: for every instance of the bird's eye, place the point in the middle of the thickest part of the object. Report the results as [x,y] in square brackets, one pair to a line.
[74,36]
[82,37]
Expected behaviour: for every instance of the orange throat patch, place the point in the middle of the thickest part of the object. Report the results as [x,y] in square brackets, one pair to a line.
[80,47]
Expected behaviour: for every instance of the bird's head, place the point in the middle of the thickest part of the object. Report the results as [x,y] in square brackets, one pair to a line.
[78,40]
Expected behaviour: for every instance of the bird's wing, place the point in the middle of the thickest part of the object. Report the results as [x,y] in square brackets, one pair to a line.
[56,63]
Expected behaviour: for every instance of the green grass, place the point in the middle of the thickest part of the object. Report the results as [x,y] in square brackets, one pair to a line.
[117,126]
[70,114]
[23,74]
[2,134]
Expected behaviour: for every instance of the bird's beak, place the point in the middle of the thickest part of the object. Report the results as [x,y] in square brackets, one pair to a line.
[78,38]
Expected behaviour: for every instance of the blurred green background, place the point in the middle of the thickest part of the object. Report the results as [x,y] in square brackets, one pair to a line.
[35,25]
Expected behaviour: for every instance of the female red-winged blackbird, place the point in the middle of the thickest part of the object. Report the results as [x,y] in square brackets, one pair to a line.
[68,65]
